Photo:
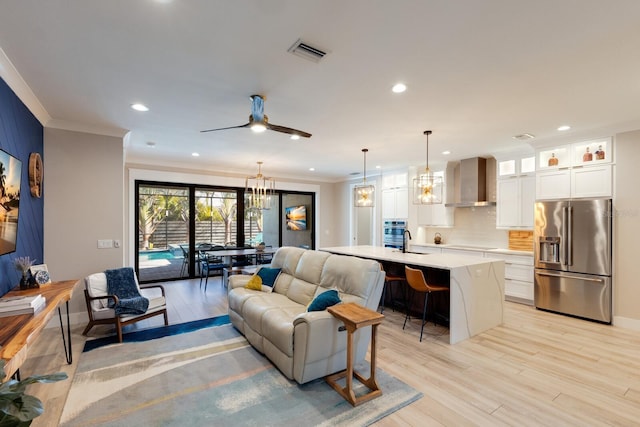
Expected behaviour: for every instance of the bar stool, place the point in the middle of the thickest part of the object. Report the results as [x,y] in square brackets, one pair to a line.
[416,280]
[388,280]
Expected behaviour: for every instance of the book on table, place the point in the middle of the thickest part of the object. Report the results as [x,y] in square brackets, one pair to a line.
[21,303]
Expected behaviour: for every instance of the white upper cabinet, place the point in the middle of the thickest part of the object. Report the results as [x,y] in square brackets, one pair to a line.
[515,188]
[395,196]
[578,170]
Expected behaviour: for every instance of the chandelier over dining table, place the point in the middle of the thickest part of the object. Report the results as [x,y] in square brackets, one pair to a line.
[259,190]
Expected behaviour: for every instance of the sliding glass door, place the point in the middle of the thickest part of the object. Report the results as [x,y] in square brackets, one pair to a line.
[176,221]
[163,232]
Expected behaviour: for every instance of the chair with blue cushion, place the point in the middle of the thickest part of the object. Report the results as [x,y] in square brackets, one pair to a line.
[209,263]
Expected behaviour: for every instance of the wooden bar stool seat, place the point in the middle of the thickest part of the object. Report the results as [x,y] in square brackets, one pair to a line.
[417,282]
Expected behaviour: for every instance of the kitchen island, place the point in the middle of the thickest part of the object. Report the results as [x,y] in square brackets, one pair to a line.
[476,285]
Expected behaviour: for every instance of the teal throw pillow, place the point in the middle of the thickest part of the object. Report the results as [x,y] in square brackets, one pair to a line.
[324,300]
[268,275]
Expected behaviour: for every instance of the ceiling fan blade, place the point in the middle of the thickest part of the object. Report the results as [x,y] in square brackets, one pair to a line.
[287,130]
[230,127]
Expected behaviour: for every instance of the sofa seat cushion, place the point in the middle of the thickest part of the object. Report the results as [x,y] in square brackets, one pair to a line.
[239,296]
[277,327]
[271,316]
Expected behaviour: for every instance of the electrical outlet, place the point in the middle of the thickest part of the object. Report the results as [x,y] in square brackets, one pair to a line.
[116,243]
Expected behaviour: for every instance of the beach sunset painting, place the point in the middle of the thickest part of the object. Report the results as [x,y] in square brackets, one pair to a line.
[296,218]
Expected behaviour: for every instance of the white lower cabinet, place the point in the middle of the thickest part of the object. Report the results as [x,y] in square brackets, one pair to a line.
[465,252]
[426,249]
[518,276]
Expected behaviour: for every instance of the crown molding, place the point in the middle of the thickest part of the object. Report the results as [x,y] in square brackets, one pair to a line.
[12,77]
[87,128]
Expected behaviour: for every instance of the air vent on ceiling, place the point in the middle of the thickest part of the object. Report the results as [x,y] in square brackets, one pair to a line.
[523,136]
[306,51]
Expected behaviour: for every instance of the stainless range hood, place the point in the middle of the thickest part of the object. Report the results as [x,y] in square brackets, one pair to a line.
[473,184]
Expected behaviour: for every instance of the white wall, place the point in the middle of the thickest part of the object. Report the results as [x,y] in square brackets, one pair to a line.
[626,222]
[83,202]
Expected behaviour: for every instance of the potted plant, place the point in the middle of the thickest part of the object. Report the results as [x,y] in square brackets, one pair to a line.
[23,264]
[18,409]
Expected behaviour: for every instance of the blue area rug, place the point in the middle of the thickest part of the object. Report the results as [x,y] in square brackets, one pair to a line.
[152,334]
[210,377]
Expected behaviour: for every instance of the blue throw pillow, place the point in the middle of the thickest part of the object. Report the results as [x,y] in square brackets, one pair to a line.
[324,300]
[268,275]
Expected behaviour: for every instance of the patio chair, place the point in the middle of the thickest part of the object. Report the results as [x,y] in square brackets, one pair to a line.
[185,261]
[209,263]
[97,300]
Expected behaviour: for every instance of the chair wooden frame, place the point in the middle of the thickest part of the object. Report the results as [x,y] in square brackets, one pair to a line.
[117,320]
[417,282]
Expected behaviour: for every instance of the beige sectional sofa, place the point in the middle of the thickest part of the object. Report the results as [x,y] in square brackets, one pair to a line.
[305,345]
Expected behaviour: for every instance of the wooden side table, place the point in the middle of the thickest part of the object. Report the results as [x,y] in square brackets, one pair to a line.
[354,317]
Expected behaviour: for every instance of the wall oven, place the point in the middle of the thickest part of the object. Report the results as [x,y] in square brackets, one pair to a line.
[393,233]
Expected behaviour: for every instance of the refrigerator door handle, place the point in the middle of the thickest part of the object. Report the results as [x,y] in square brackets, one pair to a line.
[570,236]
[565,237]
[565,276]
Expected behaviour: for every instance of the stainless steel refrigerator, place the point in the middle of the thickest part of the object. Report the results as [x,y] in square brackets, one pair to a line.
[572,253]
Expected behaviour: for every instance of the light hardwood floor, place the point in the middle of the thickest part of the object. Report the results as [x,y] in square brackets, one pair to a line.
[537,369]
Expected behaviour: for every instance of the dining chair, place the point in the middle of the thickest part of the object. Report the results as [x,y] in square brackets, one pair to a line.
[417,282]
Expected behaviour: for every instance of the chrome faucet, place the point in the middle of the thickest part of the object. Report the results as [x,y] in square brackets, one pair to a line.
[404,239]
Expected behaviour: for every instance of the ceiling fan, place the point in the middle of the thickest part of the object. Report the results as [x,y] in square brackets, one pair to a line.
[259,122]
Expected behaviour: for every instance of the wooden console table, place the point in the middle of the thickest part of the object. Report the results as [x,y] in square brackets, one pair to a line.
[354,317]
[17,333]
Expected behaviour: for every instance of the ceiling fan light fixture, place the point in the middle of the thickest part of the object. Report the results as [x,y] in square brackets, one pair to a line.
[258,127]
[295,137]
[364,195]
[427,187]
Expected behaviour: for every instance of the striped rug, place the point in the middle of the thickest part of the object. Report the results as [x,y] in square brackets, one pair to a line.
[209,377]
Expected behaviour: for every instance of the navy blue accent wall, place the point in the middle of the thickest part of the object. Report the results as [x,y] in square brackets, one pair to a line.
[20,135]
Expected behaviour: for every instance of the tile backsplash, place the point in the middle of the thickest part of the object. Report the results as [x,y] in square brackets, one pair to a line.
[473,226]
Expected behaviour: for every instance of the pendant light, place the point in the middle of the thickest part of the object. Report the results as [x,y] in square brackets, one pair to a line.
[259,190]
[427,188]
[364,195]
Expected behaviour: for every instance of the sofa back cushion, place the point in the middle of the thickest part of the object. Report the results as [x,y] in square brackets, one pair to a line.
[307,273]
[355,279]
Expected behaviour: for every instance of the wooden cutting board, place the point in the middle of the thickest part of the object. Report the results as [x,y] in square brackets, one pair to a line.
[520,240]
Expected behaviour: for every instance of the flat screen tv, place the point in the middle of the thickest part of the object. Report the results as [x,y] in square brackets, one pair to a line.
[10,173]
[296,218]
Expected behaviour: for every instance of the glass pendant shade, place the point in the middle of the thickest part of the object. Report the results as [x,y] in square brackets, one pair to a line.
[427,187]
[364,194]
[259,190]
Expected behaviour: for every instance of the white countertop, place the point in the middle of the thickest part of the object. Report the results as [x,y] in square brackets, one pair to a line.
[442,261]
[473,248]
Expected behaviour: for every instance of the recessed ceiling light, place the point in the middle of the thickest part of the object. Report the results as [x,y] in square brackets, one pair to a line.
[195,154]
[378,167]
[564,127]
[446,153]
[295,137]
[139,107]
[399,88]
[312,169]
